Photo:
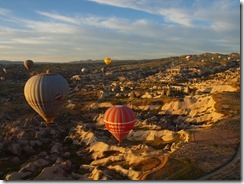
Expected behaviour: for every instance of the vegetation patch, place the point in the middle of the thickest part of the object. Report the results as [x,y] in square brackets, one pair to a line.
[227,103]
[177,170]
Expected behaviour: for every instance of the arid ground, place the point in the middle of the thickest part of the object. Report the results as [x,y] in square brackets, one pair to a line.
[188,121]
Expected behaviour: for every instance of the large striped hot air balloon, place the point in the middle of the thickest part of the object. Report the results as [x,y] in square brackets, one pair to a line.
[28,64]
[46,93]
[119,120]
[107,60]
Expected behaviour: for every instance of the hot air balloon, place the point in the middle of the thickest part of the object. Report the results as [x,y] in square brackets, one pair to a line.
[46,93]
[104,69]
[119,120]
[49,71]
[84,70]
[6,69]
[107,60]
[28,64]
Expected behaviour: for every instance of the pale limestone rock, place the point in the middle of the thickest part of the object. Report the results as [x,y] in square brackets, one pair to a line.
[167,147]
[76,77]
[15,160]
[66,165]
[173,147]
[40,134]
[198,108]
[53,173]
[15,149]
[99,119]
[118,95]
[102,94]
[67,154]
[109,159]
[28,149]
[57,147]
[97,174]
[169,137]
[43,154]
[147,95]
[88,167]
[22,142]
[133,175]
[105,105]
[70,106]
[17,175]
[31,166]
[141,135]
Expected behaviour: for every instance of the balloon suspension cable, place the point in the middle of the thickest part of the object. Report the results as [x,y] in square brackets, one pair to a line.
[52,125]
[119,143]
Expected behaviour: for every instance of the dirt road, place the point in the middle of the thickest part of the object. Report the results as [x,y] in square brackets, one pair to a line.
[225,167]
[163,160]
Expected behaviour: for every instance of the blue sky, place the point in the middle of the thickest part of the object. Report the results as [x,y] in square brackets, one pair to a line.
[62,31]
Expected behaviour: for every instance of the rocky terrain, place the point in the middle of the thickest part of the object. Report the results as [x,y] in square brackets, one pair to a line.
[188,122]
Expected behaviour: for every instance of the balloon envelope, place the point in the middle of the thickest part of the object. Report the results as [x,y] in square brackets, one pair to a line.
[84,70]
[28,64]
[46,93]
[119,120]
[103,69]
[6,69]
[107,60]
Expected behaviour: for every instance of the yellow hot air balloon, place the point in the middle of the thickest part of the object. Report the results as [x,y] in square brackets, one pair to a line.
[28,64]
[46,93]
[107,60]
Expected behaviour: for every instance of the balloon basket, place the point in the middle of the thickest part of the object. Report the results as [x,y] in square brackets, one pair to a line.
[122,144]
[51,125]
[44,124]
[54,124]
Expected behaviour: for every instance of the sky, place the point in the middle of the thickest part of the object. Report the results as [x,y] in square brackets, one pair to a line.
[63,31]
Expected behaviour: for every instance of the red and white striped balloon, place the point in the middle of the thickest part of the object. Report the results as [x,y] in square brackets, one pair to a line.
[119,120]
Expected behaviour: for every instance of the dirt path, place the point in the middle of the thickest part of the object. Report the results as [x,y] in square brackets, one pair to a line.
[213,150]
[163,160]
[236,159]
[222,142]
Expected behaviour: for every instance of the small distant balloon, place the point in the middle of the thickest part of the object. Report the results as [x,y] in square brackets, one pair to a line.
[46,93]
[103,69]
[28,64]
[119,120]
[49,71]
[84,70]
[188,58]
[107,60]
[33,73]
[6,70]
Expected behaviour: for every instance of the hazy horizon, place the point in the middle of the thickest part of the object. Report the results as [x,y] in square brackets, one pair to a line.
[114,60]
